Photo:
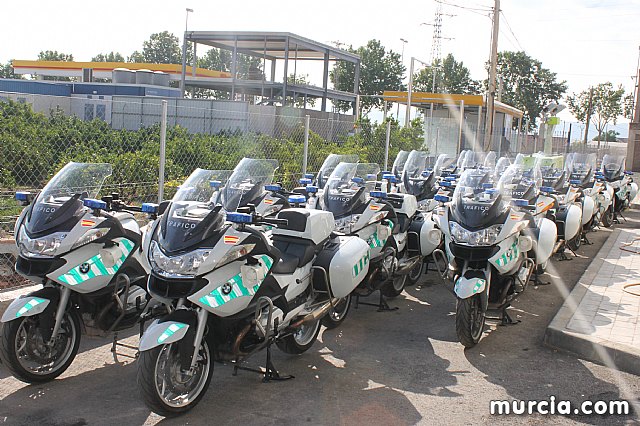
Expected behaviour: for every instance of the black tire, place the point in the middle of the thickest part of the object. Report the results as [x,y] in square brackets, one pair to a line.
[13,330]
[541,268]
[148,363]
[415,274]
[295,344]
[336,316]
[393,287]
[607,217]
[470,320]
[575,243]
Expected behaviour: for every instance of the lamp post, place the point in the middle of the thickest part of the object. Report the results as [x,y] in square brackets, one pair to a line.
[184,52]
[404,42]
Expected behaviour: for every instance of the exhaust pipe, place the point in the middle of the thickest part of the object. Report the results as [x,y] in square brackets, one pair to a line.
[316,314]
[406,267]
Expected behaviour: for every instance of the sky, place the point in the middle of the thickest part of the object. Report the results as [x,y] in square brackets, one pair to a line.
[585,42]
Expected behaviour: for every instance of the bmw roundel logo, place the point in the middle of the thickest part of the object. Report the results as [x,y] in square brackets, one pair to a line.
[84,268]
[226,288]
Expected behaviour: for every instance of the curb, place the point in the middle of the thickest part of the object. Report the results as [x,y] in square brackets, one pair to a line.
[625,357]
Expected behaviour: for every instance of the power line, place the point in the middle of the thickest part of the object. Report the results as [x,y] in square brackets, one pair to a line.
[487,9]
[506,21]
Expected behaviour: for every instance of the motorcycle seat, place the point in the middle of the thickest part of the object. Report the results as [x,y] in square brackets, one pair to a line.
[296,252]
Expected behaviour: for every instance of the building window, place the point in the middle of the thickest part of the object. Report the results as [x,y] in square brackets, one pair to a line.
[101,112]
[88,112]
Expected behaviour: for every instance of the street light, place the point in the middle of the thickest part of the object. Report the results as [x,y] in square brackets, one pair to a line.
[404,42]
[184,52]
[186,21]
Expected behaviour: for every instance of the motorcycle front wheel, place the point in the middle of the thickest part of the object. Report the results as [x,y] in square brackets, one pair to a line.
[607,217]
[165,387]
[31,359]
[470,318]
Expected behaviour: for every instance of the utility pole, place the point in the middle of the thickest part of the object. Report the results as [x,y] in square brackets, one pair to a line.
[407,116]
[586,124]
[492,77]
[404,43]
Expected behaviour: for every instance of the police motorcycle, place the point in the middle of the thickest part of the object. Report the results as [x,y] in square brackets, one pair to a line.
[562,200]
[520,184]
[380,219]
[399,163]
[596,199]
[624,188]
[486,250]
[231,292]
[86,253]
[327,168]
[421,181]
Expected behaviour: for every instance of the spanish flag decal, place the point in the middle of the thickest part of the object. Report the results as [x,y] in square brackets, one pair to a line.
[375,207]
[231,239]
[87,223]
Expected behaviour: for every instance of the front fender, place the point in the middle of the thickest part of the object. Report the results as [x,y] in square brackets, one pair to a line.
[467,286]
[162,333]
[32,304]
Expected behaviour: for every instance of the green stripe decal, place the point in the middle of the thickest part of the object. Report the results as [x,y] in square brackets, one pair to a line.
[96,267]
[35,301]
[237,288]
[170,331]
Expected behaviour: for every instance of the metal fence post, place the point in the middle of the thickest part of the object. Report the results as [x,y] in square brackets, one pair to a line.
[306,144]
[163,146]
[386,146]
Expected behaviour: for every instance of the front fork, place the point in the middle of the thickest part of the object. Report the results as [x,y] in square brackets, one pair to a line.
[197,341]
[65,294]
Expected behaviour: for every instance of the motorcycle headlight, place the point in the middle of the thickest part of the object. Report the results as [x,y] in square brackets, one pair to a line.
[344,224]
[235,253]
[89,237]
[181,266]
[39,247]
[483,237]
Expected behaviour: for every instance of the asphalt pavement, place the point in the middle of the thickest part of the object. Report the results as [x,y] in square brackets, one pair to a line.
[378,368]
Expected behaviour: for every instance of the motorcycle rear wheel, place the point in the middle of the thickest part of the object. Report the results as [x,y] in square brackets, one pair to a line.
[470,319]
[337,315]
[300,341]
[394,286]
[165,387]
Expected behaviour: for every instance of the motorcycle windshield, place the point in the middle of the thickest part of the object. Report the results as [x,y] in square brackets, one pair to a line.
[501,165]
[61,199]
[579,166]
[474,204]
[551,168]
[195,213]
[461,158]
[346,191]
[473,159]
[490,160]
[415,177]
[444,162]
[613,166]
[520,181]
[330,164]
[399,163]
[246,183]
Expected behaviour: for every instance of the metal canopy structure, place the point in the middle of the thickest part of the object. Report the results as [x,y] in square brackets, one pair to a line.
[274,47]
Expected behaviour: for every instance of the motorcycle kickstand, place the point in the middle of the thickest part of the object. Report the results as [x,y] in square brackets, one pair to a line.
[270,372]
[537,281]
[114,349]
[585,240]
[382,304]
[507,320]
[622,216]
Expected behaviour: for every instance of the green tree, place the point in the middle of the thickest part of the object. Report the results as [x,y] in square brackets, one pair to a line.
[451,77]
[301,79]
[161,48]
[606,106]
[54,55]
[108,57]
[380,70]
[608,136]
[527,85]
[628,102]
[6,71]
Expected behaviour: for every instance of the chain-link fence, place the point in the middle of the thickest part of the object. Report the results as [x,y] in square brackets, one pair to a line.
[139,136]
